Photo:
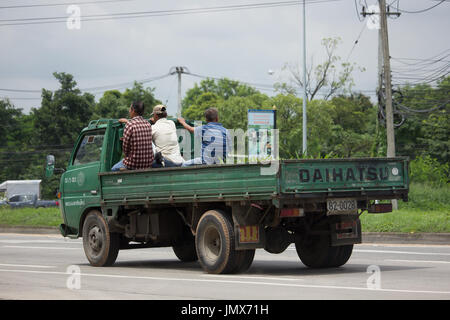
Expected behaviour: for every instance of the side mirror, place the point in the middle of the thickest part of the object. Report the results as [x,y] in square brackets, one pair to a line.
[50,166]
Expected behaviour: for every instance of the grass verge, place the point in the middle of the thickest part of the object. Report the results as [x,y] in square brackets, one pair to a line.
[428,210]
[31,217]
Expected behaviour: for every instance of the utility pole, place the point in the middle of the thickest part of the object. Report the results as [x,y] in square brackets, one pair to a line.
[387,80]
[305,150]
[388,86]
[380,63]
[179,71]
[384,69]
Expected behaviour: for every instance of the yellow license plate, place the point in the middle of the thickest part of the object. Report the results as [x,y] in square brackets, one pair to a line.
[248,234]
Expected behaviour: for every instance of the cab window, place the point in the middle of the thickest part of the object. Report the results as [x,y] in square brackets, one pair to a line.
[90,148]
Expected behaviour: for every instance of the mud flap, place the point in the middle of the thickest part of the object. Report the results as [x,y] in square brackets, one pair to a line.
[345,230]
[249,237]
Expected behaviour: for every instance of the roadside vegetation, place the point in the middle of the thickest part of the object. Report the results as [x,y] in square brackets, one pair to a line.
[428,210]
[30,217]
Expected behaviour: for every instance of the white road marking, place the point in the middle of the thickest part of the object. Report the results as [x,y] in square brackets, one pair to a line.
[403,252]
[252,277]
[413,261]
[25,265]
[394,252]
[40,248]
[37,241]
[230,282]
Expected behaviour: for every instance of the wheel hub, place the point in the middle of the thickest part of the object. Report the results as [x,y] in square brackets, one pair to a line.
[95,239]
[212,244]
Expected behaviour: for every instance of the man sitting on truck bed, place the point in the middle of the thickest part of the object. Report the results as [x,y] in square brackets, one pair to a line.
[165,139]
[215,139]
[137,141]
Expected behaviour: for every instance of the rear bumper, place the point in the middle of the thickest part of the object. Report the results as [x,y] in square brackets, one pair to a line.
[357,194]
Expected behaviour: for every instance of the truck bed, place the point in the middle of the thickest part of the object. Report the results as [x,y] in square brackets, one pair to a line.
[370,178]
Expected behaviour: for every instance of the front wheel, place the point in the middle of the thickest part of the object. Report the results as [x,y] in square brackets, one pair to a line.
[100,245]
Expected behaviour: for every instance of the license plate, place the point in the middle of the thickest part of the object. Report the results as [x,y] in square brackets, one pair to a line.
[248,234]
[342,206]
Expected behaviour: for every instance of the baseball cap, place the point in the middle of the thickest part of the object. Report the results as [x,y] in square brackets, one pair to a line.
[159,109]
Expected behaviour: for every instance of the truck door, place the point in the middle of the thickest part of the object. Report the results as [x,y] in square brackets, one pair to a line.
[81,183]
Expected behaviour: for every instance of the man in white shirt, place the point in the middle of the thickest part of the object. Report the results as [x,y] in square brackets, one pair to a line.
[164,136]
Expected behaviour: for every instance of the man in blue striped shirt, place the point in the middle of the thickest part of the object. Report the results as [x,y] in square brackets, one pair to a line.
[216,141]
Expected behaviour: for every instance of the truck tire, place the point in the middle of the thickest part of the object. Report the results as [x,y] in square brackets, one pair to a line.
[342,255]
[316,251]
[244,261]
[100,245]
[186,251]
[214,242]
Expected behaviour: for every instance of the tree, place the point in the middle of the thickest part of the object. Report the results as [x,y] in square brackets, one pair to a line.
[10,125]
[222,88]
[326,78]
[426,129]
[63,113]
[115,105]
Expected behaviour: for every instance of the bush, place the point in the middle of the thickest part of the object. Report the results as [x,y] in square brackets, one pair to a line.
[425,169]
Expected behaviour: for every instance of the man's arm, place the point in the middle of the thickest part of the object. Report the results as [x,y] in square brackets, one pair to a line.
[185,125]
[127,133]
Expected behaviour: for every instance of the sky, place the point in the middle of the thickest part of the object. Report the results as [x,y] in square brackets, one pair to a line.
[241,45]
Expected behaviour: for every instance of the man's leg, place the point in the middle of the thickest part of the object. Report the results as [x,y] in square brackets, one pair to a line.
[192,162]
[171,164]
[119,165]
[156,165]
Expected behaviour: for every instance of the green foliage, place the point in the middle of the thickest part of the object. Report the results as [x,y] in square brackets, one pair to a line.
[222,90]
[425,169]
[424,133]
[115,105]
[63,113]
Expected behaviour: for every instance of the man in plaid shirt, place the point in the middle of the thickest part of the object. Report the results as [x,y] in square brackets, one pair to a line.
[137,141]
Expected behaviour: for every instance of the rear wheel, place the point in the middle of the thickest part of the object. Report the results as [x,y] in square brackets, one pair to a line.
[315,251]
[244,261]
[100,245]
[215,243]
[185,251]
[342,256]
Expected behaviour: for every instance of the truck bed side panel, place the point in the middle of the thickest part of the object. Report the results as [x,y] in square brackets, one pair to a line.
[202,183]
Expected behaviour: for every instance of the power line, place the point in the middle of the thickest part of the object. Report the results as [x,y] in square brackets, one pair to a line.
[62,4]
[423,10]
[156,13]
[93,90]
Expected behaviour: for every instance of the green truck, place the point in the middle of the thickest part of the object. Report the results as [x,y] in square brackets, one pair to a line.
[219,214]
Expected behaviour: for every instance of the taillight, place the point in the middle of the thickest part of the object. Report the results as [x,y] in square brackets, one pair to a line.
[291,212]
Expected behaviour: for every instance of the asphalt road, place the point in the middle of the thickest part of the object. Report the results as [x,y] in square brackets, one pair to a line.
[51,267]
